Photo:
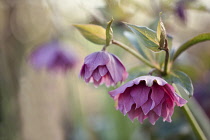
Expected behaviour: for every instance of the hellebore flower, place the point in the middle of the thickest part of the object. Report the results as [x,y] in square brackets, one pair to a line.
[180,10]
[53,56]
[147,97]
[103,67]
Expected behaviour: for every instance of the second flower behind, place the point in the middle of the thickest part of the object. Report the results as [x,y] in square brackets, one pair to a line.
[103,68]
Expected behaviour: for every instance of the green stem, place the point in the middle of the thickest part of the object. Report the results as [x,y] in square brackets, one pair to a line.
[193,122]
[134,53]
[195,126]
[166,62]
[189,43]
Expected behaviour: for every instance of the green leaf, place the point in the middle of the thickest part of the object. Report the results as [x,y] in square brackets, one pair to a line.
[147,36]
[134,41]
[181,79]
[109,32]
[191,42]
[93,33]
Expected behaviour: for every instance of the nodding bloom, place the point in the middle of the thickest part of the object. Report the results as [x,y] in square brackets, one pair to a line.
[103,68]
[53,56]
[147,97]
[180,10]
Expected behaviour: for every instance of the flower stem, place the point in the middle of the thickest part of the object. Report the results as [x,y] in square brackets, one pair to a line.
[134,53]
[195,126]
[191,42]
[166,62]
[193,122]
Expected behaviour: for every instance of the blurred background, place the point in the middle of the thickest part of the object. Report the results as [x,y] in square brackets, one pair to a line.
[38,104]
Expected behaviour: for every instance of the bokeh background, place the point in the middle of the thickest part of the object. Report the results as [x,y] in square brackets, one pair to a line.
[44,105]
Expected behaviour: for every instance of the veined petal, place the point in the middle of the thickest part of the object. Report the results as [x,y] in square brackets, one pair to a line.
[121,89]
[157,93]
[125,102]
[153,117]
[147,106]
[174,96]
[102,70]
[140,94]
[96,59]
[141,116]
[134,113]
[165,111]
[116,69]
[96,75]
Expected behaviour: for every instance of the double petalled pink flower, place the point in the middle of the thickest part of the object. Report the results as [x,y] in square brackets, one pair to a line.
[53,56]
[147,97]
[103,68]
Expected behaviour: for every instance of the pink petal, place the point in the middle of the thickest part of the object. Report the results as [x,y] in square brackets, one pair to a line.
[134,113]
[97,83]
[116,68]
[141,116]
[102,70]
[153,117]
[174,96]
[95,59]
[88,72]
[108,80]
[125,102]
[140,94]
[165,111]
[158,109]
[96,75]
[147,106]
[157,94]
[121,89]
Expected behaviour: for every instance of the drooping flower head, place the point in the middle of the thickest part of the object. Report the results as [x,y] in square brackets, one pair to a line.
[53,56]
[180,10]
[103,68]
[147,97]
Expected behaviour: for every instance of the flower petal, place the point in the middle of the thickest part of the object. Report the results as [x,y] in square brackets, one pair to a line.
[121,89]
[141,116]
[174,96]
[96,75]
[140,94]
[125,102]
[153,117]
[134,113]
[147,106]
[157,94]
[116,69]
[102,70]
[95,59]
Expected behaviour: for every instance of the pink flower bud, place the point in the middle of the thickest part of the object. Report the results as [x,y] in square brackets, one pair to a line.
[103,68]
[53,56]
[147,97]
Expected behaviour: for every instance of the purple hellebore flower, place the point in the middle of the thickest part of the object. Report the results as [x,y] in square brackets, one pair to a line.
[53,56]
[147,97]
[103,67]
[180,10]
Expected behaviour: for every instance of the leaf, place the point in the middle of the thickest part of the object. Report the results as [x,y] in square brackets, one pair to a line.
[133,39]
[181,79]
[93,33]
[147,36]
[109,32]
